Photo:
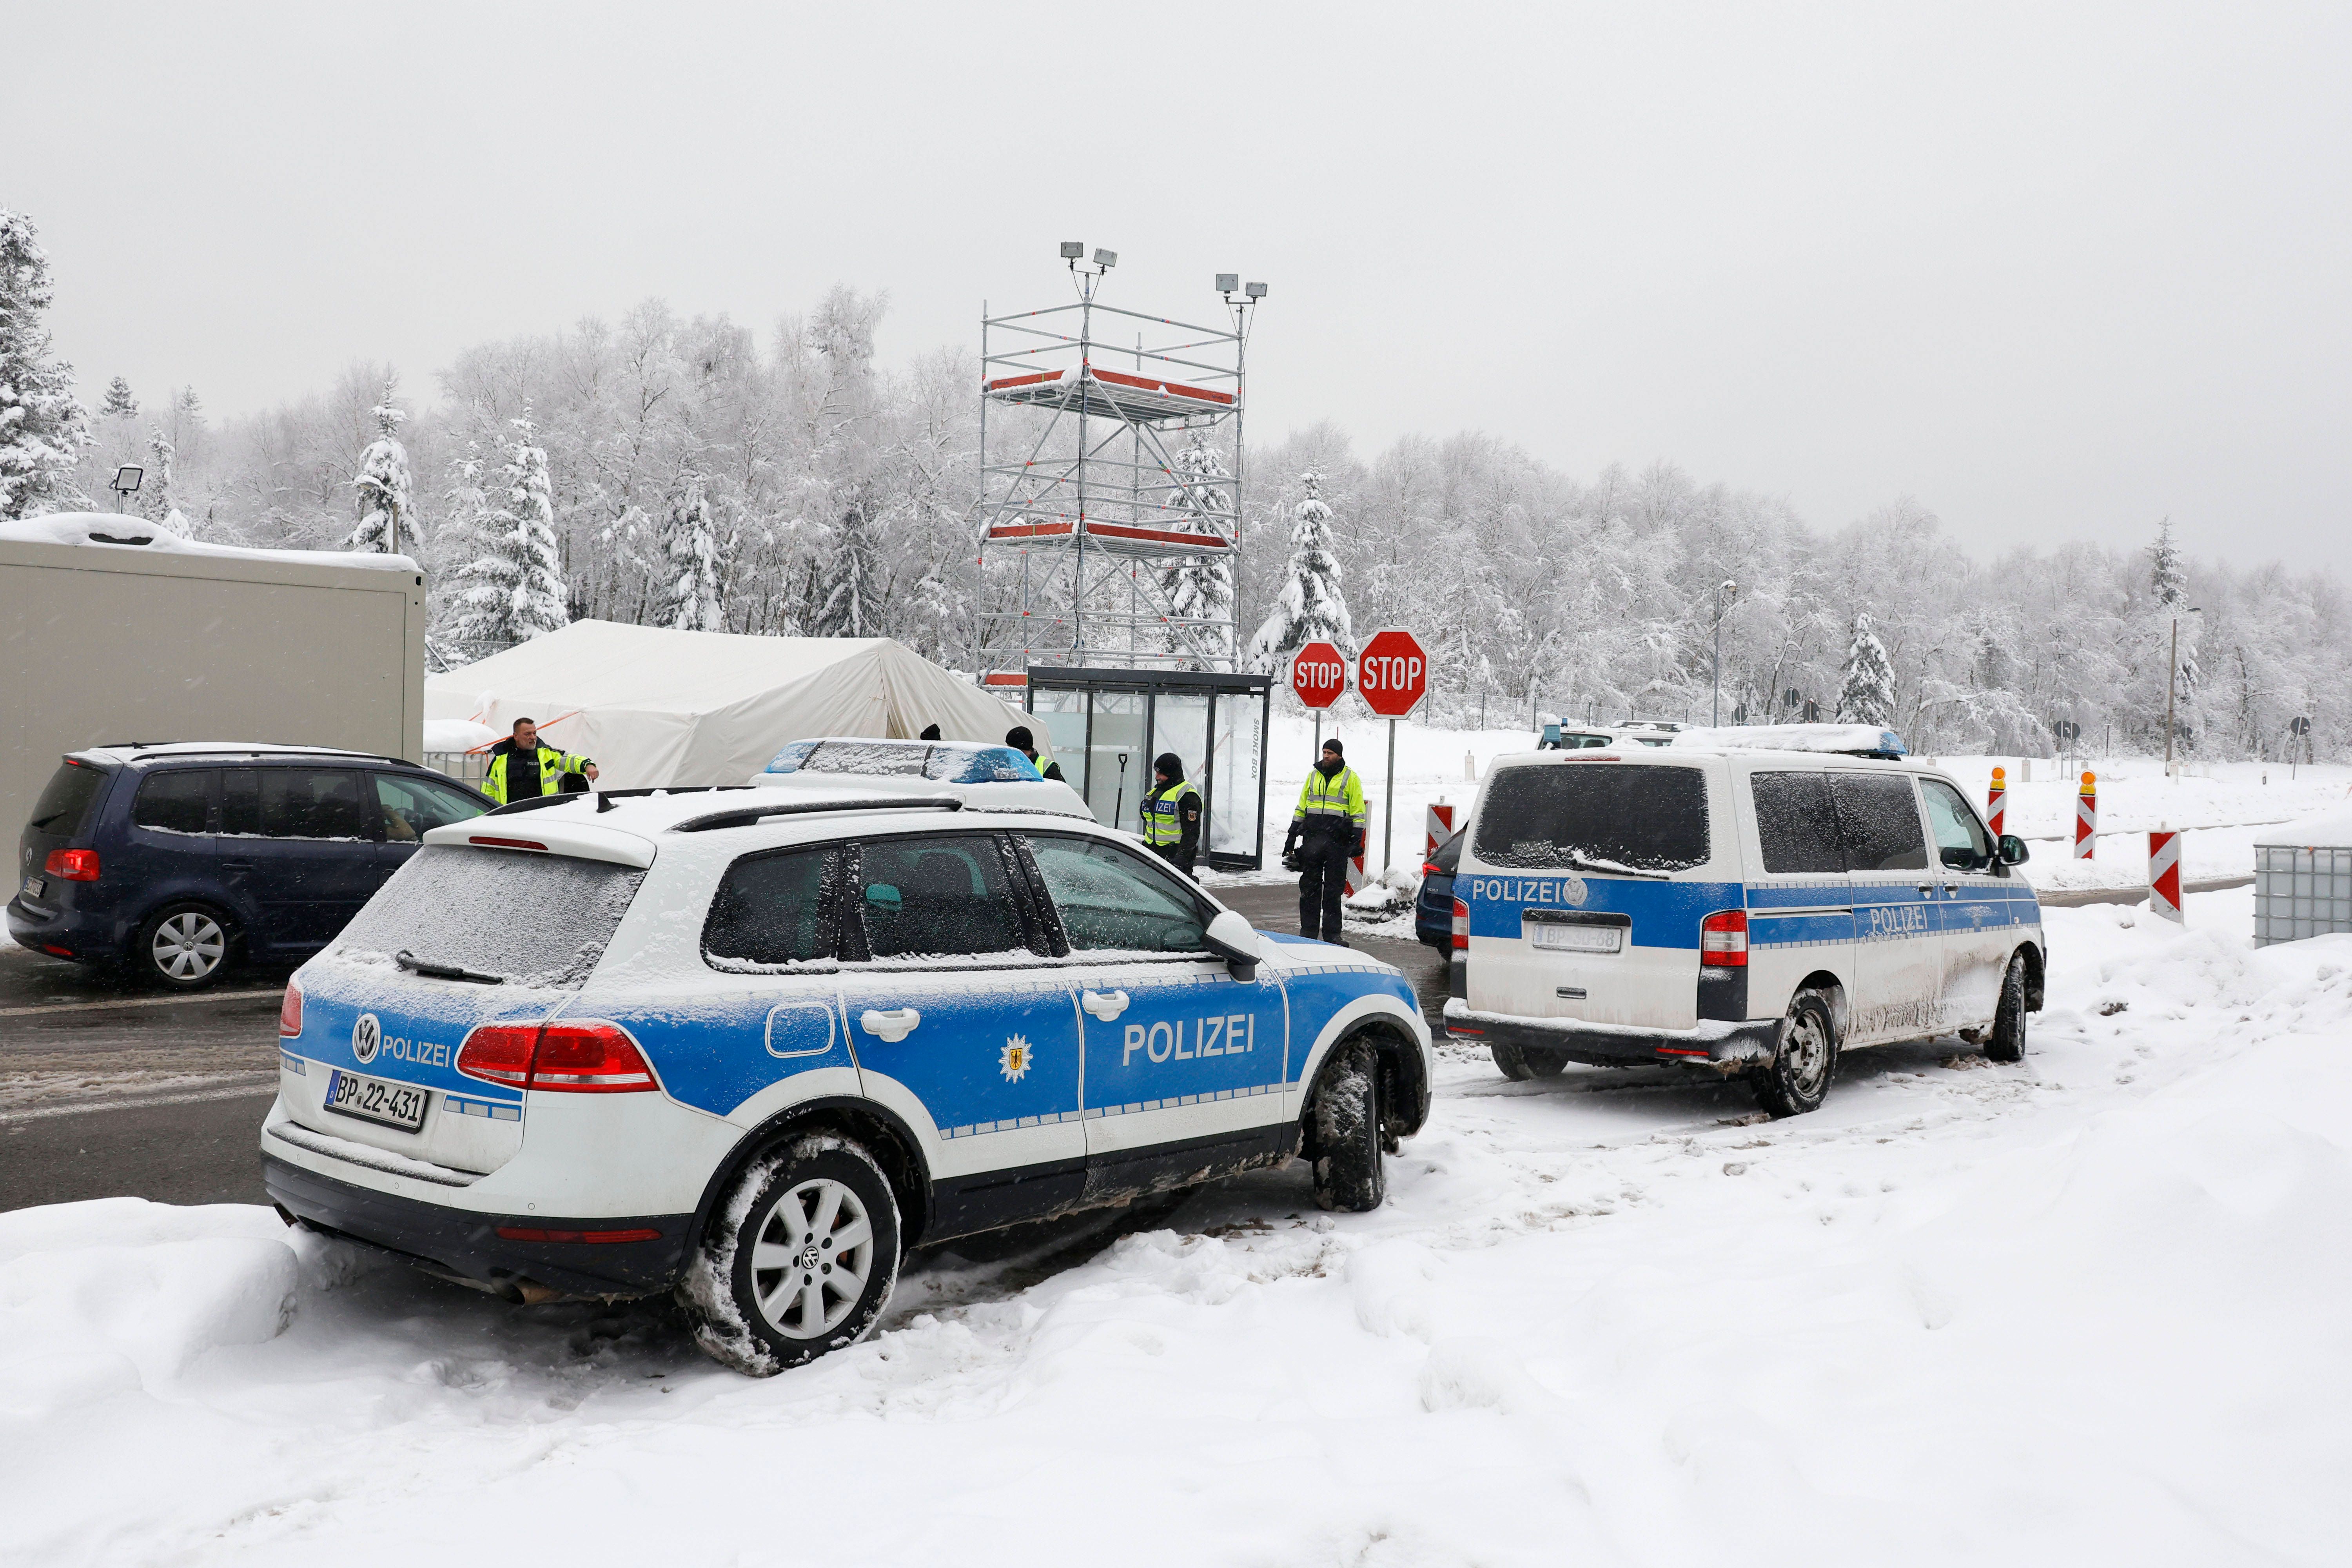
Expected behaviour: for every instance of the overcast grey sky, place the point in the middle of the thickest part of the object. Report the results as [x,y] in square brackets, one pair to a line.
[2053,270]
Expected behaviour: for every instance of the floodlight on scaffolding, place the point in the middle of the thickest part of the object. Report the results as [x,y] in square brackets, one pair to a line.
[1106,259]
[1073,250]
[1257,290]
[1229,282]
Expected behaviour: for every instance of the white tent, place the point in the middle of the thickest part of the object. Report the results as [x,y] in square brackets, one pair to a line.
[657,707]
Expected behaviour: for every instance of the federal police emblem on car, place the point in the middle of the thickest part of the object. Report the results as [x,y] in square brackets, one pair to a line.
[366,1036]
[1015,1058]
[1572,889]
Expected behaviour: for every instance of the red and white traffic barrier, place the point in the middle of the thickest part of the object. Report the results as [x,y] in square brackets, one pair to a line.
[1441,828]
[1997,804]
[2164,875]
[2086,817]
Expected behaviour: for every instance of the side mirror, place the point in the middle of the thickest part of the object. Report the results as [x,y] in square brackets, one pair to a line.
[1230,937]
[2013,849]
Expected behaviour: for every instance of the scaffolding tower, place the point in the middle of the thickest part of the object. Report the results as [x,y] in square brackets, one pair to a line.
[1105,491]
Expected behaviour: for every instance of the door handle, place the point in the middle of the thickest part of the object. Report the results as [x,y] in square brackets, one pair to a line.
[1951,888]
[1102,1004]
[893,1024]
[1927,890]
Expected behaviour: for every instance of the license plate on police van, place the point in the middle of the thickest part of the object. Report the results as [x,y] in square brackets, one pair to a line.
[1561,938]
[394,1104]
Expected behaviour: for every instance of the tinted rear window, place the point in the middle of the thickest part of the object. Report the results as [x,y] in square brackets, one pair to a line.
[1796,825]
[66,799]
[1594,815]
[1448,858]
[1878,816]
[534,920]
[175,802]
[774,911]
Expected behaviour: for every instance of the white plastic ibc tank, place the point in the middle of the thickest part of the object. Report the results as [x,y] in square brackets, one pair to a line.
[2303,879]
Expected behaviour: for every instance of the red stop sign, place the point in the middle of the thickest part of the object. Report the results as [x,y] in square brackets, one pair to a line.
[1318,673]
[1392,673]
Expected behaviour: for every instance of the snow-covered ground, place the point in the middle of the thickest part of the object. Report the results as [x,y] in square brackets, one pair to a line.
[2089,1309]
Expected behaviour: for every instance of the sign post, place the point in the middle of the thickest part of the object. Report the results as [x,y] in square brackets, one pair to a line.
[1318,674]
[2086,817]
[1391,676]
[1996,802]
[2164,875]
[1440,827]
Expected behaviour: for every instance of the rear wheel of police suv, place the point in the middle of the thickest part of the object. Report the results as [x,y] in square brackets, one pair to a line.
[1796,1078]
[2006,1041]
[182,946]
[799,1260]
[1525,1064]
[1345,1121]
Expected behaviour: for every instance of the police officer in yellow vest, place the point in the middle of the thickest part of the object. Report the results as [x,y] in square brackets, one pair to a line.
[521,769]
[1326,829]
[1171,815]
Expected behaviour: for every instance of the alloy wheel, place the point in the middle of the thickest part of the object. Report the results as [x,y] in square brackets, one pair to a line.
[810,1264]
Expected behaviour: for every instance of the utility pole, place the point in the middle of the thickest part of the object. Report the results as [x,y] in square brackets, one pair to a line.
[1714,715]
[2171,685]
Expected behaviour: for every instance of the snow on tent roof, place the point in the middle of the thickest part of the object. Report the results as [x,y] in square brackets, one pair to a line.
[657,708]
[115,530]
[1844,740]
[2328,830]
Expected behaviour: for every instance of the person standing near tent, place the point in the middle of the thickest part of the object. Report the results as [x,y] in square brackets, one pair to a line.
[1171,815]
[1325,831]
[1022,740]
[521,769]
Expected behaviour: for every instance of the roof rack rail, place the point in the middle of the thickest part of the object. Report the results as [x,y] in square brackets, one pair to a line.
[746,816]
[604,798]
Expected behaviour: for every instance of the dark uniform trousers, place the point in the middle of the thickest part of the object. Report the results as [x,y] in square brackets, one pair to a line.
[1323,878]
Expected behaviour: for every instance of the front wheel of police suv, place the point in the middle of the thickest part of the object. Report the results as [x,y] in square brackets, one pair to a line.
[799,1259]
[1344,1121]
[1796,1078]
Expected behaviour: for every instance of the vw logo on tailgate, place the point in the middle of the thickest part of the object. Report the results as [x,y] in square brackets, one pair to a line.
[366,1036]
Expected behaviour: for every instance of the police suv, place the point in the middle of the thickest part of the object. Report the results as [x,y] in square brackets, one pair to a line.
[1752,912]
[750,1045]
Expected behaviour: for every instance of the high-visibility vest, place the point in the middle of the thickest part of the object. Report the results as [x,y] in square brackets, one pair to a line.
[552,766]
[1164,814]
[1330,800]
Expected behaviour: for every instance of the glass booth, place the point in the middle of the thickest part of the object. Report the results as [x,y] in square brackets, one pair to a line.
[1105,726]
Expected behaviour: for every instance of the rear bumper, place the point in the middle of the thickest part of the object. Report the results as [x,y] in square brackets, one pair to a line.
[89,935]
[466,1242]
[1726,1046]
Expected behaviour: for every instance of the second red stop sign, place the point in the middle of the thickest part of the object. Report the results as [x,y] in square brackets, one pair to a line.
[1392,673]
[1318,673]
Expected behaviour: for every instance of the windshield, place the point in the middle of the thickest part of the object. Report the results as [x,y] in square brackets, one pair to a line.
[1599,816]
[530,920]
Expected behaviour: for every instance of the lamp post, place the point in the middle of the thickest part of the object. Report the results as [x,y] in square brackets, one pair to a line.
[1725,589]
[2172,686]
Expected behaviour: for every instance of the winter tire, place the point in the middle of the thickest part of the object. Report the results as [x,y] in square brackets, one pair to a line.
[1344,1121]
[798,1261]
[1798,1077]
[2006,1040]
[1525,1064]
[182,946]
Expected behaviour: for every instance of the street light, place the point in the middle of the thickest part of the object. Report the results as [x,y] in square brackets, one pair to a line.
[126,483]
[2172,684]
[1230,283]
[1073,250]
[1730,590]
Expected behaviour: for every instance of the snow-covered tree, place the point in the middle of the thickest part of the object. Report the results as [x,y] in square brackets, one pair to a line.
[691,586]
[43,425]
[850,586]
[1310,605]
[1201,587]
[120,403]
[512,590]
[159,496]
[387,498]
[2167,574]
[1866,692]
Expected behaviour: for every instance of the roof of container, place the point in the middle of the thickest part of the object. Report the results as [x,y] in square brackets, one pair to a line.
[117,533]
[2328,830]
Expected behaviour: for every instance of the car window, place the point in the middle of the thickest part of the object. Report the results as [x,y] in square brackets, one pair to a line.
[175,802]
[1878,818]
[1962,841]
[413,807]
[1796,827]
[532,920]
[1111,901]
[292,802]
[773,911]
[1448,858]
[1595,817]
[944,894]
[66,798]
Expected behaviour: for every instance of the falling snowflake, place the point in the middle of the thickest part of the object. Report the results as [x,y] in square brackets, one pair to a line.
[1015,1058]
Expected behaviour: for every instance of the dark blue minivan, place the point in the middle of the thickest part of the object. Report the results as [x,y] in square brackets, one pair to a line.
[180,859]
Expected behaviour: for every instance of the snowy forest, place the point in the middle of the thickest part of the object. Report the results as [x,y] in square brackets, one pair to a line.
[695,472]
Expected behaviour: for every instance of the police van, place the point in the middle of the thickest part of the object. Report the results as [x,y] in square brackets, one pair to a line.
[1754,911]
[750,1045]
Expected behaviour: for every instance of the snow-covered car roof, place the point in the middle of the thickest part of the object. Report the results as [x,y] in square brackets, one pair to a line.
[943,762]
[1836,739]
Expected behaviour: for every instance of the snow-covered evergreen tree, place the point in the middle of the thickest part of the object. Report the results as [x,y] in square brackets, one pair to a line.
[2168,575]
[120,403]
[1310,606]
[387,498]
[43,425]
[849,588]
[690,592]
[159,497]
[513,588]
[1201,587]
[1866,694]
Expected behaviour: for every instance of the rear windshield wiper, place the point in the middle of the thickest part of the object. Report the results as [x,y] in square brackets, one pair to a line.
[1611,868]
[407,959]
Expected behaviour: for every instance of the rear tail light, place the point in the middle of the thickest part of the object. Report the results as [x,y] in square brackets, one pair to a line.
[1429,868]
[290,1012]
[72,864]
[1723,940]
[586,1057]
[508,843]
[1461,924]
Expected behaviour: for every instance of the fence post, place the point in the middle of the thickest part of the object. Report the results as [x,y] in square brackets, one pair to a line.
[2086,817]
[2164,875]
